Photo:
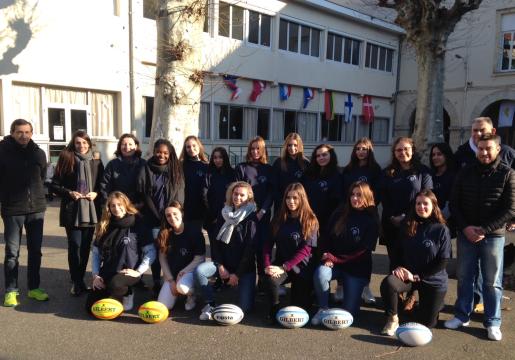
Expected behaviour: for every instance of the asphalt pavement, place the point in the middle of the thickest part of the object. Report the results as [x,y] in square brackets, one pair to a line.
[60,328]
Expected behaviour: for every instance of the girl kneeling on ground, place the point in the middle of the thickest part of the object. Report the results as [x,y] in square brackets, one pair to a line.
[115,252]
[181,249]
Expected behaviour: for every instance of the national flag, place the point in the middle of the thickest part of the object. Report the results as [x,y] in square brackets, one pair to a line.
[284,92]
[230,82]
[368,109]
[329,105]
[258,87]
[309,94]
[348,109]
[506,112]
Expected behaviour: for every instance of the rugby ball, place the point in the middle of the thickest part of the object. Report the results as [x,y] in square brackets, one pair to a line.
[292,317]
[336,319]
[153,312]
[106,309]
[414,334]
[227,314]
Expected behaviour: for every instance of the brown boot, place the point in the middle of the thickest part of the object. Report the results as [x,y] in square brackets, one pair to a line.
[391,325]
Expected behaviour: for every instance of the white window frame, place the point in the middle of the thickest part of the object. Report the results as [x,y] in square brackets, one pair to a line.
[378,57]
[511,54]
[300,24]
[247,29]
[344,36]
[67,119]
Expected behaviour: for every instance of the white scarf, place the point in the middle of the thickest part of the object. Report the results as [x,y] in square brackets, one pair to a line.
[472,145]
[233,218]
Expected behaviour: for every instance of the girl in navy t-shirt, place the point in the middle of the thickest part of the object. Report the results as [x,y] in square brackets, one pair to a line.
[443,171]
[346,249]
[181,249]
[425,249]
[194,165]
[294,232]
[290,167]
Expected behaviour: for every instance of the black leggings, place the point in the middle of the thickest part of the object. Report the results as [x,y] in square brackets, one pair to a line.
[301,288]
[117,288]
[431,299]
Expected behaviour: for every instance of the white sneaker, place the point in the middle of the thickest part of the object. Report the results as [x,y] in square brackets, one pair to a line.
[207,313]
[455,323]
[317,318]
[282,291]
[391,326]
[128,302]
[367,296]
[338,295]
[494,333]
[190,303]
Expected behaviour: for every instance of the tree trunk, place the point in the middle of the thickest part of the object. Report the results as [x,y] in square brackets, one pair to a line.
[178,71]
[430,91]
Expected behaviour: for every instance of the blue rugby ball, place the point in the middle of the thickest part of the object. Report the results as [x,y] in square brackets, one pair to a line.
[292,317]
[336,319]
[414,334]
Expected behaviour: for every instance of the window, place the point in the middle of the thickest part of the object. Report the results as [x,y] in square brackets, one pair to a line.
[206,18]
[299,38]
[259,28]
[149,110]
[286,121]
[377,131]
[338,129]
[379,58]
[343,49]
[242,123]
[204,120]
[507,61]
[150,9]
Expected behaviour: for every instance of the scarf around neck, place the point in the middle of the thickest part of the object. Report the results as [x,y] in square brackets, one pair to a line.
[232,219]
[115,232]
[86,212]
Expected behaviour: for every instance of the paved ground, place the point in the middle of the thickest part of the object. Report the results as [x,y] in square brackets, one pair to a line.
[59,328]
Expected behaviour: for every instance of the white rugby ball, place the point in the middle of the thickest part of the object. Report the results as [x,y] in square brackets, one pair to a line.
[414,334]
[227,314]
[336,319]
[292,317]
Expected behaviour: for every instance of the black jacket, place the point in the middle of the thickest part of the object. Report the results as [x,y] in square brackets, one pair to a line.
[22,173]
[62,185]
[484,196]
[466,156]
[121,176]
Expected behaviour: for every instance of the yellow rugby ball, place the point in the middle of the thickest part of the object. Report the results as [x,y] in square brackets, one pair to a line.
[107,309]
[153,312]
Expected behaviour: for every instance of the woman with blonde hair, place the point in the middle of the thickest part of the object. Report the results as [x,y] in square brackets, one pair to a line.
[294,232]
[259,174]
[347,250]
[115,252]
[233,250]
[181,249]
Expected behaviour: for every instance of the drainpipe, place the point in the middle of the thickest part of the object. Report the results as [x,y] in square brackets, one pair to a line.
[131,69]
[397,81]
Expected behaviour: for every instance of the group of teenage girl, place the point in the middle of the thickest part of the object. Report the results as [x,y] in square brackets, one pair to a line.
[299,221]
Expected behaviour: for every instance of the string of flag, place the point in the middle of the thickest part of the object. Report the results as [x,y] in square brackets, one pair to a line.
[285,91]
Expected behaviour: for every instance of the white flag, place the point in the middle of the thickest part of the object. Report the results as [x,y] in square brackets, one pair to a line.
[506,111]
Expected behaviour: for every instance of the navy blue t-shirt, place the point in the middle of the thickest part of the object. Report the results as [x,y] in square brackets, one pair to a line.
[184,247]
[288,241]
[160,197]
[442,186]
[362,173]
[194,173]
[284,177]
[261,178]
[430,245]
[361,233]
[215,187]
[397,192]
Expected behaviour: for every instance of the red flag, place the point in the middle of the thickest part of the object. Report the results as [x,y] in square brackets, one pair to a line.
[329,105]
[258,87]
[368,109]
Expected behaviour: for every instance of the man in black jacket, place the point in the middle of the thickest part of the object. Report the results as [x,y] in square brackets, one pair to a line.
[482,202]
[22,195]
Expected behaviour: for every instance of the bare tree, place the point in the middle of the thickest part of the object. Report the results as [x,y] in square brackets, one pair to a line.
[179,72]
[428,24]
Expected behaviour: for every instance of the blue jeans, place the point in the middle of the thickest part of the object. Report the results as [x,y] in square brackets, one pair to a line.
[352,287]
[13,225]
[79,245]
[246,285]
[489,252]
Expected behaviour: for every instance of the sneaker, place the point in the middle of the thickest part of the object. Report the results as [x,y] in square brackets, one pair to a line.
[391,326]
[10,299]
[494,333]
[479,309]
[455,323]
[409,303]
[76,290]
[38,294]
[282,291]
[207,312]
[317,318]
[190,303]
[367,296]
[338,295]
[128,302]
